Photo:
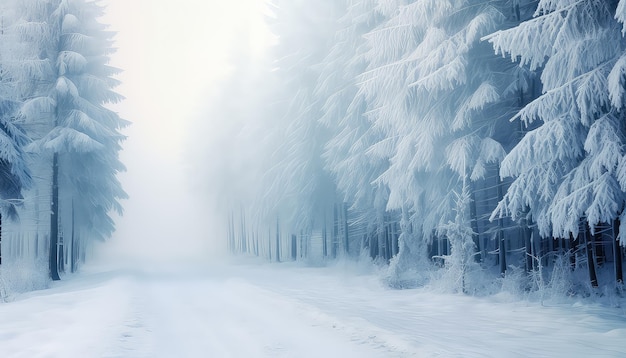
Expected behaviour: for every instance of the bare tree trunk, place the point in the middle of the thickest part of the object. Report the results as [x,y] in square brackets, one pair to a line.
[474,222]
[269,243]
[256,242]
[527,232]
[384,242]
[54,221]
[617,253]
[593,278]
[277,240]
[74,253]
[501,243]
[324,239]
[502,253]
[395,244]
[244,235]
[231,232]
[333,247]
[62,255]
[373,243]
[1,239]
[345,229]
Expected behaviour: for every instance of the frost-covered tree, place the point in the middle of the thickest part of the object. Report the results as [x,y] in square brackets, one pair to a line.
[460,264]
[297,188]
[14,172]
[346,152]
[394,107]
[65,83]
[276,137]
[441,100]
[568,168]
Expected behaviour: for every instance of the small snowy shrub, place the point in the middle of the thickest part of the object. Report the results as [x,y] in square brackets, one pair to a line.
[515,281]
[460,266]
[408,269]
[23,276]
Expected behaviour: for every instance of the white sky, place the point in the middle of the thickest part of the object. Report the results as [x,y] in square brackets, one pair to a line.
[172,54]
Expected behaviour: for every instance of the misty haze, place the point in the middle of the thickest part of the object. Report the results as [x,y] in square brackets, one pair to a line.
[296,178]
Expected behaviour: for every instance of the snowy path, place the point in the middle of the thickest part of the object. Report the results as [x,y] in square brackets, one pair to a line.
[288,311]
[209,317]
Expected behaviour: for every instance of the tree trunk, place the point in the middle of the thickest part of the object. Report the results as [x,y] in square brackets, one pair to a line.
[590,261]
[573,248]
[384,237]
[62,255]
[474,223]
[244,235]
[54,221]
[501,243]
[617,253]
[333,244]
[231,232]
[389,242]
[256,242]
[277,241]
[77,243]
[502,253]
[527,232]
[294,248]
[395,243]
[345,228]
[269,243]
[0,238]
[373,242]
[229,245]
[73,253]
[324,240]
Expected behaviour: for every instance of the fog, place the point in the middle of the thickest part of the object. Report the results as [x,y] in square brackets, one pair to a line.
[173,56]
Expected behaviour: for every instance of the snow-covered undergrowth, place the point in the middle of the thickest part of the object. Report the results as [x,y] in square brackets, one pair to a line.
[558,283]
[22,276]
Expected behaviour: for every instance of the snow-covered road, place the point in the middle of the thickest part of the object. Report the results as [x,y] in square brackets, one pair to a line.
[215,317]
[289,311]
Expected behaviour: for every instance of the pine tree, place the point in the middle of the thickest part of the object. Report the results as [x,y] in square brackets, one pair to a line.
[441,101]
[76,139]
[569,167]
[14,173]
[566,168]
[295,185]
[345,154]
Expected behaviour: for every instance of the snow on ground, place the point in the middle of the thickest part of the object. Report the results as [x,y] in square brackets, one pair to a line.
[285,310]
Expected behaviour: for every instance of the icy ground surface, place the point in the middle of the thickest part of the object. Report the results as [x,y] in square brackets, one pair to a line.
[261,310]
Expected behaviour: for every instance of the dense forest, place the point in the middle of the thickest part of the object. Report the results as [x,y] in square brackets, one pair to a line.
[462,141]
[59,144]
[466,140]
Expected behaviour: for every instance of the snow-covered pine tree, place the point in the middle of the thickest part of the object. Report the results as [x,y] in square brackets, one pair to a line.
[295,187]
[383,91]
[346,152]
[568,169]
[76,140]
[14,173]
[439,97]
[88,177]
[460,263]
